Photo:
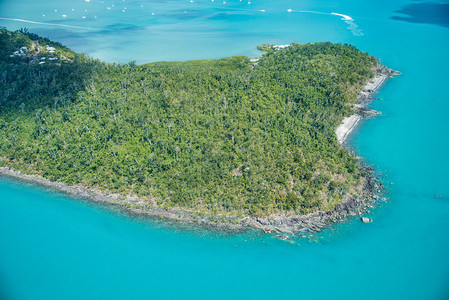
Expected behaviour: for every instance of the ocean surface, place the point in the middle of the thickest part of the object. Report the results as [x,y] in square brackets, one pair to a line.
[54,247]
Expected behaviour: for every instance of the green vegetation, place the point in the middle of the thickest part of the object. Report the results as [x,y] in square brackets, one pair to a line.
[221,135]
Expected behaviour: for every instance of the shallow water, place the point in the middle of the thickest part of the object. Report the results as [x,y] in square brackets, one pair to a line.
[52,247]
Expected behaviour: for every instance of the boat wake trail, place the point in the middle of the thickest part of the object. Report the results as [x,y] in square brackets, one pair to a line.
[43,23]
[348,20]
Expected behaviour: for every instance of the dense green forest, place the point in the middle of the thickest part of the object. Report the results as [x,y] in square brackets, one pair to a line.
[223,136]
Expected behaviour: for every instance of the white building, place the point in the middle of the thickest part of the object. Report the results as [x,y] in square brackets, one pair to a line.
[278,47]
[50,49]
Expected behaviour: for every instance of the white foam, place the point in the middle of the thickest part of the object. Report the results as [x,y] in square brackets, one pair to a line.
[43,23]
[289,10]
[345,17]
[350,21]
[313,12]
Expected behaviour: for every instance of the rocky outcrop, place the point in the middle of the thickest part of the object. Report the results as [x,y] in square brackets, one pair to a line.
[291,225]
[317,221]
[366,220]
[381,74]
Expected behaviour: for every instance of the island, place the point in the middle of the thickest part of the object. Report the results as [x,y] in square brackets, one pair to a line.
[231,143]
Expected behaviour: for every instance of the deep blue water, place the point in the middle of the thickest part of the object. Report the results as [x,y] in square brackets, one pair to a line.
[54,247]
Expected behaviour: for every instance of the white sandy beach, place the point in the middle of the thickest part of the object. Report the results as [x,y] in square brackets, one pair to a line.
[346,127]
[349,123]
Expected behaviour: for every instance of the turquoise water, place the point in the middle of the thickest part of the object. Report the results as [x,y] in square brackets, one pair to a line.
[52,247]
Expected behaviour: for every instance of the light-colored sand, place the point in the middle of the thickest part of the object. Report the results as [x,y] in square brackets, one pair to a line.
[346,127]
[349,123]
[373,85]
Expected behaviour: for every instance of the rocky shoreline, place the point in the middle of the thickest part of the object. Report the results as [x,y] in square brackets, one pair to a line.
[352,206]
[284,226]
[381,74]
[290,225]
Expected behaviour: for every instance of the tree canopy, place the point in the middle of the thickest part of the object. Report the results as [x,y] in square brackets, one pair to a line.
[226,135]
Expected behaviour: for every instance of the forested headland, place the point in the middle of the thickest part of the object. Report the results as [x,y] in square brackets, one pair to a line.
[226,136]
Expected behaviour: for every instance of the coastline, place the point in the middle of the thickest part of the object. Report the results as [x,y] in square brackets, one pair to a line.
[282,225]
[381,75]
[345,128]
[290,225]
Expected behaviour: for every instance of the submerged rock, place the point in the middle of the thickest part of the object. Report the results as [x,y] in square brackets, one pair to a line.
[366,220]
[282,237]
